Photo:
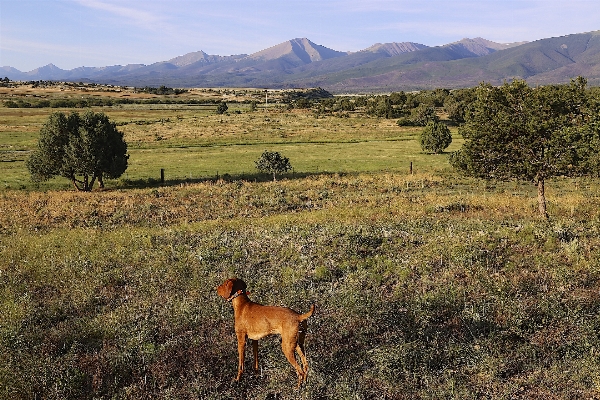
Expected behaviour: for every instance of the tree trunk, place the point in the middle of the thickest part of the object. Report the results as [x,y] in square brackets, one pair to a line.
[542,198]
[92,182]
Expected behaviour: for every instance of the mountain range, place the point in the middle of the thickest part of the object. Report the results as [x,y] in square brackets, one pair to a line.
[383,67]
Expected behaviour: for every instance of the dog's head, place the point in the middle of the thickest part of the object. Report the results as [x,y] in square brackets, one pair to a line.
[230,287]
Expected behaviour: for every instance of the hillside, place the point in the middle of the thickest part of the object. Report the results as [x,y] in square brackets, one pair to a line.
[380,67]
[553,60]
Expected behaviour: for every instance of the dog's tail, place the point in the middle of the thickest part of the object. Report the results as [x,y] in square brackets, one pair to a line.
[310,312]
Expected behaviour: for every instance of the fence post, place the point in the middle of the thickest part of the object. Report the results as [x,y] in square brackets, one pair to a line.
[162,175]
[411,168]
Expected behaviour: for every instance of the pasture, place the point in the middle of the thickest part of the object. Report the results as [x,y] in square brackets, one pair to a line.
[427,285]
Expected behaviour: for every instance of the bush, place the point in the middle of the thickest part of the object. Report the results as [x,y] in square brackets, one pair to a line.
[222,108]
[435,137]
[271,162]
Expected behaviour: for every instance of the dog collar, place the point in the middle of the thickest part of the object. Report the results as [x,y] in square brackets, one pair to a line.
[236,294]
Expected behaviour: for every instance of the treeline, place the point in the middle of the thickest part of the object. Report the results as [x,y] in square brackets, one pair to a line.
[162,90]
[98,102]
[411,108]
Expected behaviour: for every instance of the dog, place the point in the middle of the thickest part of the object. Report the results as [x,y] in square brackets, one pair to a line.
[255,321]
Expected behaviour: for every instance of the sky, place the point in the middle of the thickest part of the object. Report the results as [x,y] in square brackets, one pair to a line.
[98,33]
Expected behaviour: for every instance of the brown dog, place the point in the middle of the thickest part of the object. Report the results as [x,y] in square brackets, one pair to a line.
[256,321]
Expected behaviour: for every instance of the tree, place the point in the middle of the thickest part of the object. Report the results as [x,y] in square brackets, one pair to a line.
[272,162]
[457,102]
[222,108]
[419,116]
[382,107]
[518,132]
[80,148]
[435,137]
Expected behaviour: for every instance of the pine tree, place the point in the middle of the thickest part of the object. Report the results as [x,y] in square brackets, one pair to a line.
[531,134]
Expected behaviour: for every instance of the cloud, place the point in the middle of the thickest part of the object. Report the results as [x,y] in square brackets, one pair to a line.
[130,15]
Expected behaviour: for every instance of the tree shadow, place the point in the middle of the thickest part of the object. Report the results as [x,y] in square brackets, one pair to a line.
[149,183]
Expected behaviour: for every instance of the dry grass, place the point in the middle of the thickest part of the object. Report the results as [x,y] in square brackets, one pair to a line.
[424,289]
[427,285]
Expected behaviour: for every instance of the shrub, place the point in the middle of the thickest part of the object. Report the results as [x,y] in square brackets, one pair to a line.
[435,137]
[272,162]
[222,108]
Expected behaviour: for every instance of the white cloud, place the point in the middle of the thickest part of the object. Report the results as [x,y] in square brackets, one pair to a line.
[138,16]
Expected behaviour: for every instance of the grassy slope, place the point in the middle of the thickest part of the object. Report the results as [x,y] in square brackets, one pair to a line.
[427,286]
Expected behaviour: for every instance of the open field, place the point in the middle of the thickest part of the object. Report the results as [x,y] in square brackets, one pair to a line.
[195,143]
[427,285]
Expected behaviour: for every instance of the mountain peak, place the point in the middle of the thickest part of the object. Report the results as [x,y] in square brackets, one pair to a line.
[189,58]
[477,47]
[395,48]
[300,48]
[479,41]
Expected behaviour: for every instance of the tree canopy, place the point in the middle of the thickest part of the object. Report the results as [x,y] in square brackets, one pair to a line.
[435,137]
[518,132]
[82,148]
[273,163]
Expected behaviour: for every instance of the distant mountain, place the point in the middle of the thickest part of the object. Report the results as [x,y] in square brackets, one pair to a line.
[381,67]
[10,71]
[394,49]
[553,60]
[297,52]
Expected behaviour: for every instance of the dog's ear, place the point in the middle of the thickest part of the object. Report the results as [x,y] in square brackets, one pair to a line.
[238,284]
[225,289]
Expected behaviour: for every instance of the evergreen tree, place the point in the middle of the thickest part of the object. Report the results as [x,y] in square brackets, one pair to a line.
[222,108]
[435,137]
[272,162]
[518,132]
[81,148]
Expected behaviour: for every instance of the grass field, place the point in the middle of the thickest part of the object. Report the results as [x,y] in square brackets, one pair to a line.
[427,286]
[198,144]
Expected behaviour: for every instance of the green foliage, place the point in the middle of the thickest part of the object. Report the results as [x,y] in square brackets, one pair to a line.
[383,107]
[89,146]
[435,137]
[222,108]
[10,104]
[518,132]
[457,102]
[162,90]
[398,98]
[303,102]
[271,162]
[419,116]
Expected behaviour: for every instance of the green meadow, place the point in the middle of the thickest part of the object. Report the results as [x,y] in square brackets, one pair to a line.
[427,285]
[196,145]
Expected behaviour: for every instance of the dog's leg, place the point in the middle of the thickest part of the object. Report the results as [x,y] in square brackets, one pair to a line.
[241,338]
[288,346]
[300,348]
[255,352]
[300,352]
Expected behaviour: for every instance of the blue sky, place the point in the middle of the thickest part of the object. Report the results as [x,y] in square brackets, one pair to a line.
[96,33]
